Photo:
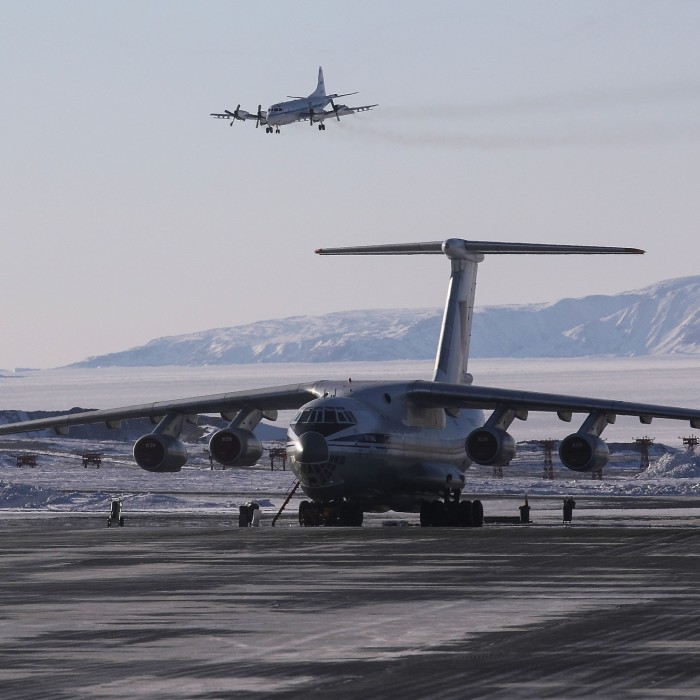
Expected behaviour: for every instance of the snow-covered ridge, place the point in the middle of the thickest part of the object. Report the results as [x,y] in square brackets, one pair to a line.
[660,319]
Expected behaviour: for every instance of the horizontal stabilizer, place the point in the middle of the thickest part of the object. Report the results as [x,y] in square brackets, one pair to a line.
[454,246]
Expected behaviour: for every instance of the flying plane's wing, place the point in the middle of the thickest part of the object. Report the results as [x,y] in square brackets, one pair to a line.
[464,396]
[241,115]
[273,398]
[337,112]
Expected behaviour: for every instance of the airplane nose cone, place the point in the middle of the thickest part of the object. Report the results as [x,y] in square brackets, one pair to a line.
[312,448]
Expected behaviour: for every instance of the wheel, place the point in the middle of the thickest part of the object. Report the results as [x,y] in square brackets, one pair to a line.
[303,511]
[121,521]
[465,514]
[477,514]
[452,514]
[438,513]
[352,515]
[109,522]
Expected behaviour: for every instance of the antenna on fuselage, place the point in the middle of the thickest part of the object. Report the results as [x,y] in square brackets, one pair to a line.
[455,335]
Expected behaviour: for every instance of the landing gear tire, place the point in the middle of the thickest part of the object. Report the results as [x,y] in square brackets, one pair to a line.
[304,507]
[465,513]
[451,514]
[433,514]
[351,515]
[477,514]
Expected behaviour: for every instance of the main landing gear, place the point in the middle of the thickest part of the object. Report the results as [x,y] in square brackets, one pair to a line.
[334,514]
[451,514]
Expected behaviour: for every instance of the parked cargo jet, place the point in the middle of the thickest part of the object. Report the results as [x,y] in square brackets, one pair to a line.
[311,109]
[358,446]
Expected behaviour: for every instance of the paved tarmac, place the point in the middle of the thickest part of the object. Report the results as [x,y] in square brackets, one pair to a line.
[192,607]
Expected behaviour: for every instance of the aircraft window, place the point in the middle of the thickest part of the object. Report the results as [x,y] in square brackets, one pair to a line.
[331,416]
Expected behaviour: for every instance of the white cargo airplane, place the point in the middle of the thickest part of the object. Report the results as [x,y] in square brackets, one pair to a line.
[358,446]
[311,108]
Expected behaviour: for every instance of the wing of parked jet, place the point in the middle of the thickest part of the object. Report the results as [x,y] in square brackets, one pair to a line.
[520,402]
[263,400]
[582,451]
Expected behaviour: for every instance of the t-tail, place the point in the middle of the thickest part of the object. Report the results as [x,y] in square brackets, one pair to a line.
[464,256]
[320,90]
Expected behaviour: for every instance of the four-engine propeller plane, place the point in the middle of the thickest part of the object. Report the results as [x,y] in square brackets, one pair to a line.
[311,109]
[359,446]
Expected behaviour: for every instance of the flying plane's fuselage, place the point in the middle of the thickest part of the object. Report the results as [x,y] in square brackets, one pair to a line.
[366,442]
[294,110]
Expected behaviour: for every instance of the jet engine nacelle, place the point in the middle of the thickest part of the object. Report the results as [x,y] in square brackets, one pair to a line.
[583,453]
[235,447]
[490,446]
[160,453]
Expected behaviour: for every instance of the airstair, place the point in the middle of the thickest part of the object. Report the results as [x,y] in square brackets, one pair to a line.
[287,497]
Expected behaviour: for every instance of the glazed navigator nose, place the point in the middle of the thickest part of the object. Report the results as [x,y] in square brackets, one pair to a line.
[311,448]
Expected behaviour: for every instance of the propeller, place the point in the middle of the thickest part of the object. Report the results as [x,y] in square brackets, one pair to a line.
[233,114]
[257,121]
[311,114]
[335,109]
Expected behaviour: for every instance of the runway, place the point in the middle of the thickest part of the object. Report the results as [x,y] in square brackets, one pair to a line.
[197,608]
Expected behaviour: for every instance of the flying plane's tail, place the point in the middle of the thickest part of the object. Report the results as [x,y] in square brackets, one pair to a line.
[320,90]
[455,335]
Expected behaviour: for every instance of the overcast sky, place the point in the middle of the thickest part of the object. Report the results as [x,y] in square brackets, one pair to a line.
[128,213]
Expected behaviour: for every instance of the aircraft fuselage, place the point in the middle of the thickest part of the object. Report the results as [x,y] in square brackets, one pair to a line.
[366,442]
[294,110]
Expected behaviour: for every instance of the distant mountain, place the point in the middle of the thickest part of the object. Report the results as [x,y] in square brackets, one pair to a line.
[660,319]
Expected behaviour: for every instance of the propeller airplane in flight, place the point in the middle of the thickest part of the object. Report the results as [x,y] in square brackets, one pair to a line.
[311,109]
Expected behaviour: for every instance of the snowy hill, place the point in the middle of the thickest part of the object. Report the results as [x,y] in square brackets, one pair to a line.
[660,319]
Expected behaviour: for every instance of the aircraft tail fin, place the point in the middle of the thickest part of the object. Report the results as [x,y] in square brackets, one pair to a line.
[465,256]
[320,90]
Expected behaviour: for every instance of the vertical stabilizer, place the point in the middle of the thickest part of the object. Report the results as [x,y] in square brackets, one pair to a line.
[455,334]
[465,256]
[320,90]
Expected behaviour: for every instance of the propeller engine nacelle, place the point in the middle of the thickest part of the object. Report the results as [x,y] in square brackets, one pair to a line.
[490,446]
[160,453]
[583,452]
[235,447]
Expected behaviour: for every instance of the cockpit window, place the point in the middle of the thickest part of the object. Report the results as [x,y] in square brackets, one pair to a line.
[325,420]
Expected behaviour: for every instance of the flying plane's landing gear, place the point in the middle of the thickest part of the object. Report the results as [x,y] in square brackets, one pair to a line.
[277,130]
[321,127]
[451,514]
[334,514]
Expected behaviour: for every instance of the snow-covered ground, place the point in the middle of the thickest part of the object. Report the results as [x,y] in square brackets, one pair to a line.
[60,483]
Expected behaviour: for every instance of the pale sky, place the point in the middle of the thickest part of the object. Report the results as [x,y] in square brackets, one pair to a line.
[129,214]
